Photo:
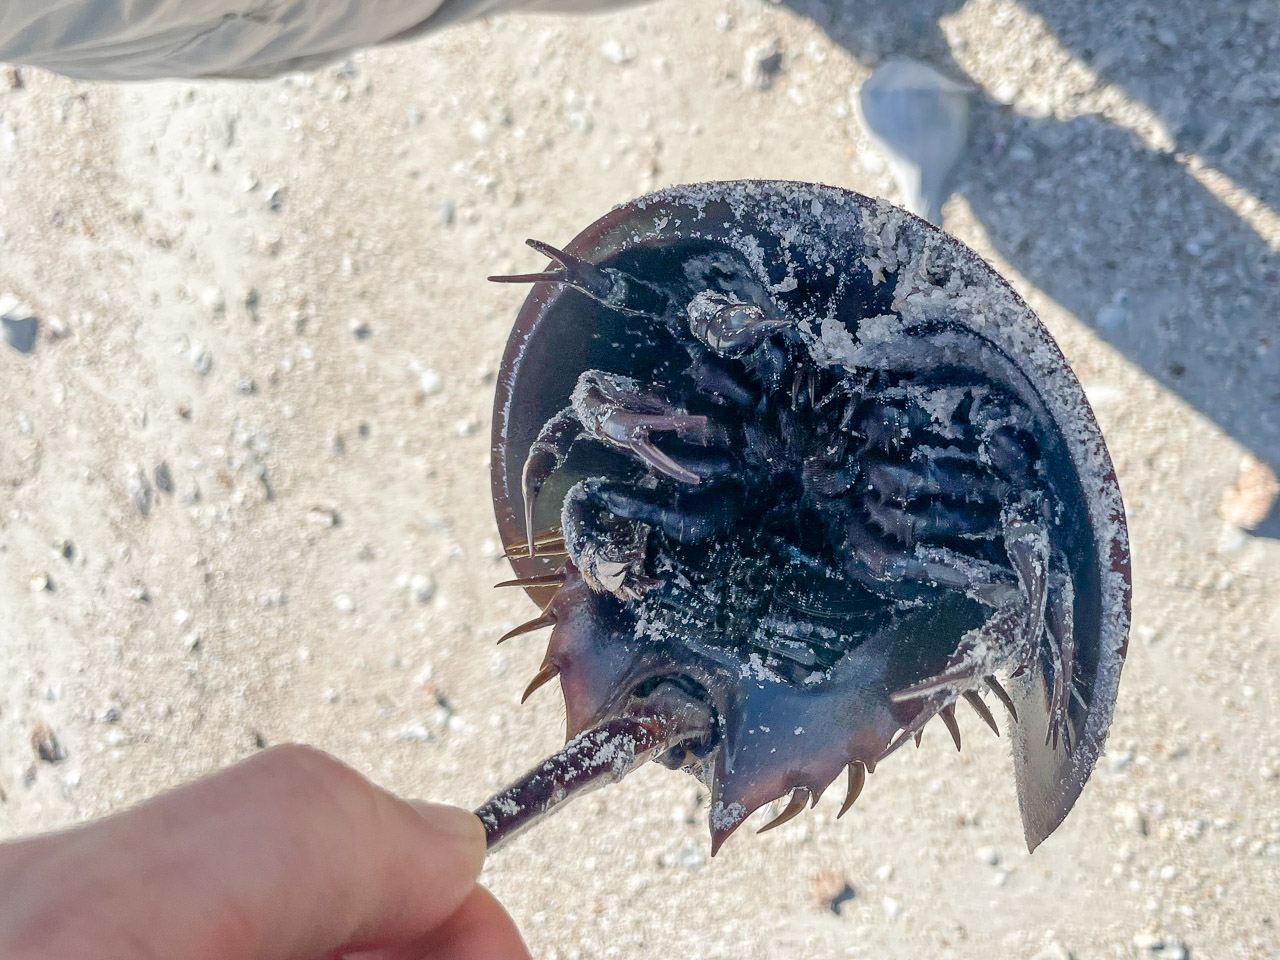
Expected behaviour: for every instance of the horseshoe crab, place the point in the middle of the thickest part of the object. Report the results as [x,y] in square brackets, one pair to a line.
[791,472]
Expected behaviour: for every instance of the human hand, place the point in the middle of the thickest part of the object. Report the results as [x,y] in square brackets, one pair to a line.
[288,856]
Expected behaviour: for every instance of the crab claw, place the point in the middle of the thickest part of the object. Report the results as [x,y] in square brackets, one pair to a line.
[619,413]
[638,428]
[729,326]
[607,285]
[576,272]
[608,550]
[622,413]
[547,452]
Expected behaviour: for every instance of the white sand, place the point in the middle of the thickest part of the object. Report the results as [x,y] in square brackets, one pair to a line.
[363,208]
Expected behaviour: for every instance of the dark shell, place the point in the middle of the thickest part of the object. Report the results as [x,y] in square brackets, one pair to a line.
[826,253]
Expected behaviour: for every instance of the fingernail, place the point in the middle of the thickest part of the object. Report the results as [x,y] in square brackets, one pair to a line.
[453,821]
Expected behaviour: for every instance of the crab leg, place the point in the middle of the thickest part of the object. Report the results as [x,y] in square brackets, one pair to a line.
[1011,636]
[618,412]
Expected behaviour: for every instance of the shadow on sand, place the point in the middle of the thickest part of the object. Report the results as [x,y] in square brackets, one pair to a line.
[1120,234]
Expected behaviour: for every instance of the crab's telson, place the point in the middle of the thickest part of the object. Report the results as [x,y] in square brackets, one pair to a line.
[792,473]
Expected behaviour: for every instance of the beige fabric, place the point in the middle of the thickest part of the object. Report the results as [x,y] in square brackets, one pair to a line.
[151,39]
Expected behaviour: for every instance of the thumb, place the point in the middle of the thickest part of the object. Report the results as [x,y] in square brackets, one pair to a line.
[290,854]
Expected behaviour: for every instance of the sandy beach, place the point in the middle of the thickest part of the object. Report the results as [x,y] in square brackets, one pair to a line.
[244,466]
